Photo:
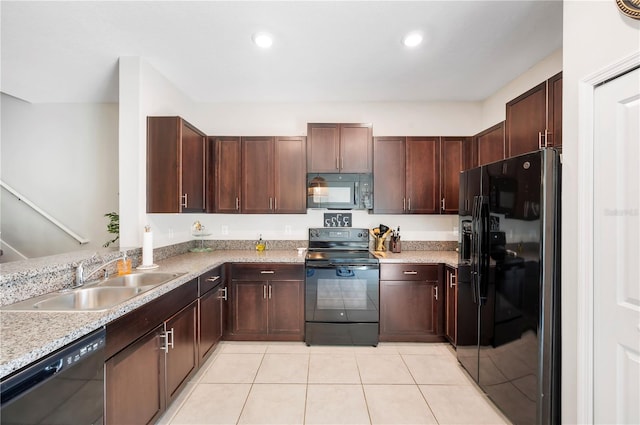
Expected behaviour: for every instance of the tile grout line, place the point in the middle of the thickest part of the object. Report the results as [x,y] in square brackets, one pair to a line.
[253,381]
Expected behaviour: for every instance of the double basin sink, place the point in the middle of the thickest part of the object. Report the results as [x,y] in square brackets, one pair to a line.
[102,295]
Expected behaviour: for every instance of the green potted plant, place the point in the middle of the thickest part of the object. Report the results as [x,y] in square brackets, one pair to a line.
[113,227]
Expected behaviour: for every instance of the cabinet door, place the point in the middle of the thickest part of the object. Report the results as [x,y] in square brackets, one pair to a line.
[257,175]
[554,126]
[290,175]
[227,175]
[135,382]
[453,161]
[389,177]
[182,356]
[356,148]
[175,166]
[527,121]
[286,308]
[249,307]
[489,145]
[210,329]
[451,303]
[192,168]
[323,148]
[423,175]
[407,310]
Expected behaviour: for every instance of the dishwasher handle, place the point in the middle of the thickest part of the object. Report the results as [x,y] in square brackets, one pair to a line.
[47,368]
[34,379]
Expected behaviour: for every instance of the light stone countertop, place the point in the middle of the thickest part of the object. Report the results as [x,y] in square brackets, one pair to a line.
[28,336]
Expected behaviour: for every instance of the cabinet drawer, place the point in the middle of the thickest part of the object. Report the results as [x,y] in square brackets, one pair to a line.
[267,271]
[430,272]
[209,280]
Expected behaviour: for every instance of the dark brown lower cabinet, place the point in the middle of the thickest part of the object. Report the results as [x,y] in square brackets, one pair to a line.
[267,302]
[451,283]
[411,303]
[213,293]
[151,352]
[182,351]
[135,391]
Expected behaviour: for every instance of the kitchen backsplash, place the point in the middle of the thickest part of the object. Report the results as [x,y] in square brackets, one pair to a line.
[30,278]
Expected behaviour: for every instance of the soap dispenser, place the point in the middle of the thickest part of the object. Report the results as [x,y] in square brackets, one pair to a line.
[124,265]
[261,245]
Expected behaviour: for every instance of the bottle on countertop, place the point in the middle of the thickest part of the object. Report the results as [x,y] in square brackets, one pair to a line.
[124,265]
[261,245]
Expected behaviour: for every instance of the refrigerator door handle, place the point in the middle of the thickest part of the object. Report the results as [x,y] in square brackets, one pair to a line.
[483,249]
[474,249]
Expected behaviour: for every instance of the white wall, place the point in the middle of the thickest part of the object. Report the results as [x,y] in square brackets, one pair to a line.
[144,91]
[64,158]
[596,35]
[493,108]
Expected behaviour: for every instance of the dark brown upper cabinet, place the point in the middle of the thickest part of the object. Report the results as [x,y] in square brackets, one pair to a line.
[418,175]
[406,178]
[455,153]
[339,148]
[175,166]
[488,146]
[227,174]
[273,175]
[534,119]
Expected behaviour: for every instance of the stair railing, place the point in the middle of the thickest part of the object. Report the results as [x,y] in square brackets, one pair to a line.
[43,213]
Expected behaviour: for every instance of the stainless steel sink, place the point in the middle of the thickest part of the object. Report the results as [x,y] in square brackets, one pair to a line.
[137,280]
[96,296]
[87,299]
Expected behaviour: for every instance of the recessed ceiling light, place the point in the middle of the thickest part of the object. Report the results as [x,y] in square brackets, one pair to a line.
[412,39]
[262,39]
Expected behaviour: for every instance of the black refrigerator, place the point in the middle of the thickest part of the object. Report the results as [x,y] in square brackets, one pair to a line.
[509,284]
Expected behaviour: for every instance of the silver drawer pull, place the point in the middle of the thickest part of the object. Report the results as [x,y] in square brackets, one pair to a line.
[213,278]
[224,297]
[267,272]
[410,272]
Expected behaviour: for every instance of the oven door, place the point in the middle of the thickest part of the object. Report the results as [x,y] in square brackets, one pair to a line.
[342,294]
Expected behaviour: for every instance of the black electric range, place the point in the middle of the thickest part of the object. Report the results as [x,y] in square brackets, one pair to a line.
[342,299]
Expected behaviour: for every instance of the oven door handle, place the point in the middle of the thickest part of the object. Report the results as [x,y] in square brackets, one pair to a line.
[330,265]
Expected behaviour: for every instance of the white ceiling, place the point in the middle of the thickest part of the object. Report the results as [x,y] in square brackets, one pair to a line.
[326,51]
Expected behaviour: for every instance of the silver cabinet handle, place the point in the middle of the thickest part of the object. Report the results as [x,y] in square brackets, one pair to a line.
[270,203]
[539,139]
[443,204]
[275,203]
[267,272]
[342,162]
[436,292]
[167,343]
[409,203]
[183,204]
[410,272]
[213,278]
[264,292]
[404,204]
[452,278]
[237,203]
[269,291]
[224,296]
[337,163]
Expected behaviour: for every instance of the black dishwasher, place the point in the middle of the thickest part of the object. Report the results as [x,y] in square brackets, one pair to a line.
[66,387]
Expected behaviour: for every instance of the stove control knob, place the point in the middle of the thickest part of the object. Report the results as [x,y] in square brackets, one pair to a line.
[361,235]
[313,233]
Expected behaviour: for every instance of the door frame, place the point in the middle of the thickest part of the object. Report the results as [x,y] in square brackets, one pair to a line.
[585,288]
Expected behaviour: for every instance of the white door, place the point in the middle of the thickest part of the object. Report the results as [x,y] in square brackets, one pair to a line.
[616,251]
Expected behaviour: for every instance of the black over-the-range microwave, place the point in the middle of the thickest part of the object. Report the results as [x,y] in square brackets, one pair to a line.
[340,191]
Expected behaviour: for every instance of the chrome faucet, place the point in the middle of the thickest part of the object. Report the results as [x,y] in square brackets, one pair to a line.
[81,277]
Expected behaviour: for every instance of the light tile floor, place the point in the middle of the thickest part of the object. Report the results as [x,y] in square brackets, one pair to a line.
[290,383]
